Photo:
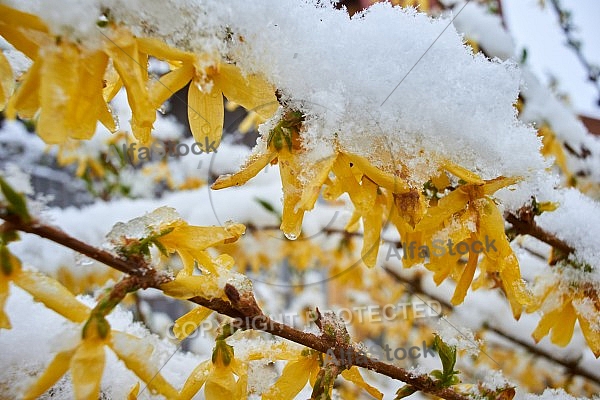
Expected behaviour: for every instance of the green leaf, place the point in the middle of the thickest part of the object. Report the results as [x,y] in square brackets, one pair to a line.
[447,377]
[268,206]
[405,391]
[16,201]
[5,264]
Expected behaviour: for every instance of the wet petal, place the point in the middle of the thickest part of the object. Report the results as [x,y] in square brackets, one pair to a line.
[131,67]
[353,375]
[187,324]
[293,378]
[7,81]
[87,367]
[196,380]
[251,92]
[55,370]
[253,166]
[563,332]
[205,114]
[54,295]
[135,353]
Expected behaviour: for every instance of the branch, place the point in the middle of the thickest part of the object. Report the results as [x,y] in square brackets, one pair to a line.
[524,224]
[242,307]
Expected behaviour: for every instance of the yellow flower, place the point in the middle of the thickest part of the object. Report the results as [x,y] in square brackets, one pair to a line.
[218,376]
[210,81]
[86,363]
[563,304]
[299,370]
[190,242]
[303,178]
[469,215]
[304,368]
[63,87]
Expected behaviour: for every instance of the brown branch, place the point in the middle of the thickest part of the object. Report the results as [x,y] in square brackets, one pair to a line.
[572,367]
[241,307]
[524,224]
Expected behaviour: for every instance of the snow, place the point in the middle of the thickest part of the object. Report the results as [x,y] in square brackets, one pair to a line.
[449,105]
[577,222]
[476,120]
[484,28]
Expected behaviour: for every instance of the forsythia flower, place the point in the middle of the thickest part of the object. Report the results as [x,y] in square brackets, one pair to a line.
[299,370]
[302,181]
[468,214]
[68,86]
[304,368]
[86,363]
[210,80]
[63,87]
[563,303]
[218,376]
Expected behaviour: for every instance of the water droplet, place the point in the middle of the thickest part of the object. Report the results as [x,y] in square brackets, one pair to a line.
[162,109]
[115,119]
[290,236]
[82,260]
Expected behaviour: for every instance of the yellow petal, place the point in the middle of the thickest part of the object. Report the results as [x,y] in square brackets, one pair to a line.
[26,100]
[547,322]
[187,324]
[170,83]
[58,91]
[7,81]
[112,81]
[135,353]
[253,166]
[195,381]
[293,378]
[591,334]
[319,172]
[252,92]
[462,173]
[465,279]
[133,393]
[131,67]
[372,221]
[18,18]
[87,367]
[563,332]
[54,295]
[159,49]
[4,320]
[205,114]
[89,105]
[492,186]
[55,370]
[353,375]
[221,384]
[445,209]
[292,215]
[24,31]
[186,287]
[383,179]
[202,237]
